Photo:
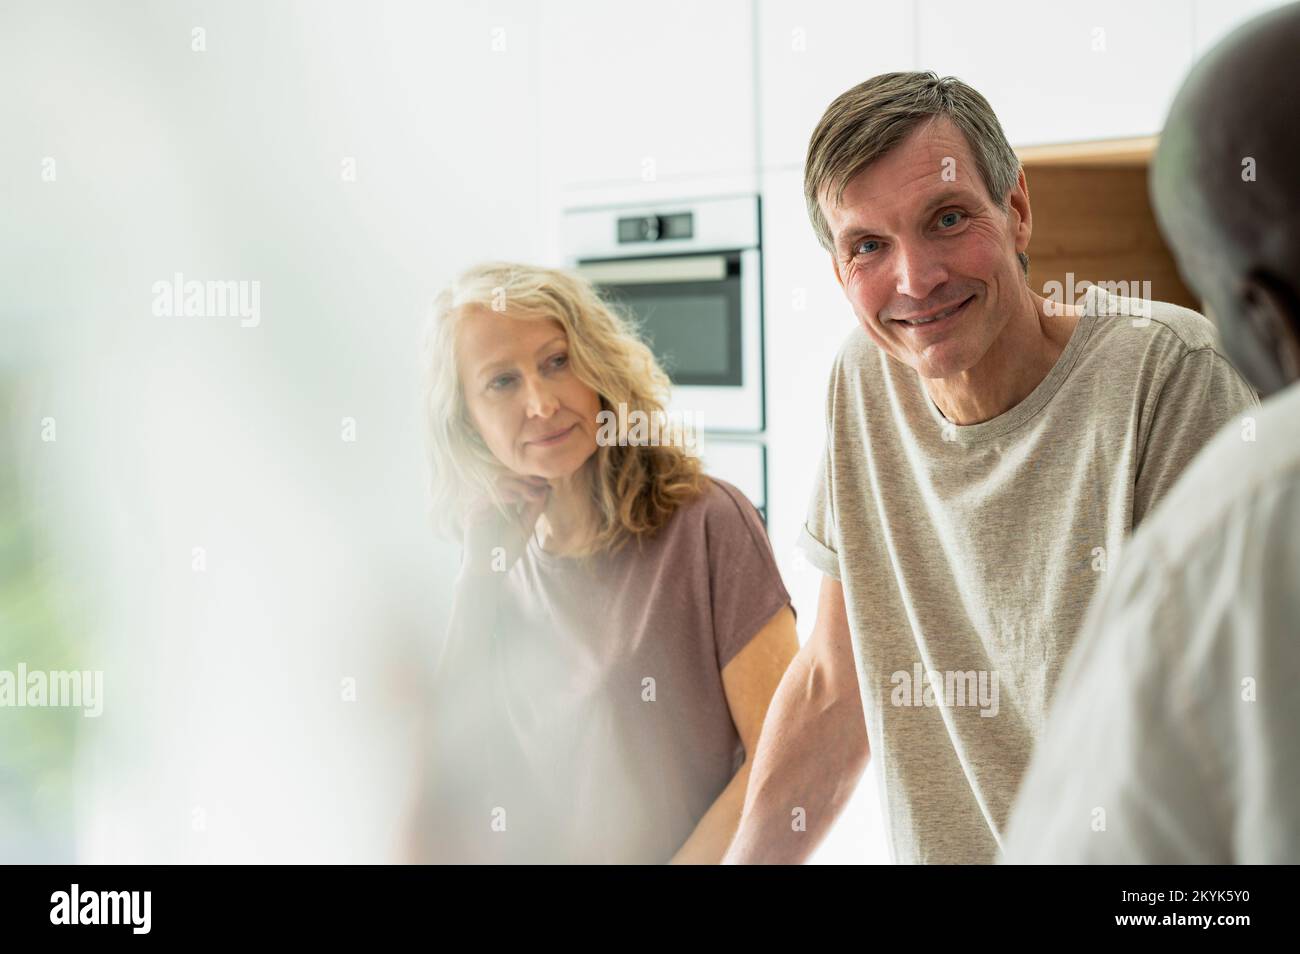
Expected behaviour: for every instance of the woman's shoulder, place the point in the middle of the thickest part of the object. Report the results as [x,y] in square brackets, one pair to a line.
[727,497]
[721,507]
[719,512]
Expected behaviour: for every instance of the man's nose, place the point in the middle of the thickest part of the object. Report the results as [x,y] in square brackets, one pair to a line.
[919,271]
[540,400]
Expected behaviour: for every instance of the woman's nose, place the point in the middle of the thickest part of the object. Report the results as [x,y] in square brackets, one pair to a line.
[540,401]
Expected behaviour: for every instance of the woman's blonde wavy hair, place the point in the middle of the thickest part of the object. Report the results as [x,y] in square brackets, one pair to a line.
[635,488]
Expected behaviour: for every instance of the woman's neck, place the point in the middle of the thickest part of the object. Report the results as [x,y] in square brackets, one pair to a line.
[568,524]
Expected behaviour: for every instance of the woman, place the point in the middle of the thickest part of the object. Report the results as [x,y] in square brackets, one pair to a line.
[619,624]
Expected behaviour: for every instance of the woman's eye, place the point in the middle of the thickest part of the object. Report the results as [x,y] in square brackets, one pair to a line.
[500,383]
[949,219]
[559,360]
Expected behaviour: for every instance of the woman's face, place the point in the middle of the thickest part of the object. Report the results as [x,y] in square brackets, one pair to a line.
[531,410]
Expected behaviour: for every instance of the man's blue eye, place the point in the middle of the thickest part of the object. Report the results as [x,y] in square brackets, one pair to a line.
[861,248]
[944,219]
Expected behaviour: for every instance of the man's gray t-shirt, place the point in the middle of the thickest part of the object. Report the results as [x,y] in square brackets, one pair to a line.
[968,554]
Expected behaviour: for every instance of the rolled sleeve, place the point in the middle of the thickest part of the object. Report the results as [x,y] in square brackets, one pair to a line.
[819,538]
[747,589]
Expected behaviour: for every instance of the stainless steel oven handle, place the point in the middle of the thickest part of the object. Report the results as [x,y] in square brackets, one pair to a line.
[652,271]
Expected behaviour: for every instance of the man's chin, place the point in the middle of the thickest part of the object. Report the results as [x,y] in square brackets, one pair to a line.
[941,361]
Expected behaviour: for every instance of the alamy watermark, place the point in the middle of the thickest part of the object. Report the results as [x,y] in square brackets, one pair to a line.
[930,688]
[1121,299]
[56,689]
[637,428]
[179,298]
[129,908]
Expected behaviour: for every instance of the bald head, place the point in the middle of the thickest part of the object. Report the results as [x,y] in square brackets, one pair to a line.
[1227,196]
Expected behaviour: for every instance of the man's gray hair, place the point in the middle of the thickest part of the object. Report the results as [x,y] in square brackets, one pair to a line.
[870,119]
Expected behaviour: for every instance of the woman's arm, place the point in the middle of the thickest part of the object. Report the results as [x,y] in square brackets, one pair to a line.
[749,681]
[494,541]
[468,642]
[451,725]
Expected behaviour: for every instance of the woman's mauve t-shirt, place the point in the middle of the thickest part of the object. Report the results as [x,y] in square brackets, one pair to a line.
[607,681]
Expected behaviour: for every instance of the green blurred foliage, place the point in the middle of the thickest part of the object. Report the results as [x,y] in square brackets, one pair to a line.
[36,744]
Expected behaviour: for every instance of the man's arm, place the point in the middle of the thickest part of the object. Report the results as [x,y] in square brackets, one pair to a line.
[812,750]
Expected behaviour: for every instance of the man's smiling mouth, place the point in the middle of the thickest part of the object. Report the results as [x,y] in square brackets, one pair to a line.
[937,316]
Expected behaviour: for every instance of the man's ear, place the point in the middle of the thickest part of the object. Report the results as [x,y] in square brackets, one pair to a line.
[1272,310]
[1018,202]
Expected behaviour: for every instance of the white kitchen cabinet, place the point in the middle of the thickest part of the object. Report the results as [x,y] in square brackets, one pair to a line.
[1063,72]
[806,318]
[810,51]
[653,93]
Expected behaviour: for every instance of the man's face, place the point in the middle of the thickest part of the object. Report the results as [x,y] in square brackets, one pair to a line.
[916,236]
[535,415]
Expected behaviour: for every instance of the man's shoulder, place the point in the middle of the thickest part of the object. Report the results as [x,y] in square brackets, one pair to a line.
[1241,469]
[1144,327]
[855,349]
[858,362]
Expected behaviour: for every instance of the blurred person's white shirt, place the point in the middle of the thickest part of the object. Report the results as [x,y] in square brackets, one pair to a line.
[1174,736]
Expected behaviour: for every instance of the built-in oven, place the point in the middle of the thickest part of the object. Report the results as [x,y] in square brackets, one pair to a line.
[690,275]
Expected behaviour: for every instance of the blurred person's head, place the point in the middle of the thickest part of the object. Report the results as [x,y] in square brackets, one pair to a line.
[520,362]
[1226,194]
[912,187]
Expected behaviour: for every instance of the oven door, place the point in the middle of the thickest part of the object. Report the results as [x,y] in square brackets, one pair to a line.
[700,316]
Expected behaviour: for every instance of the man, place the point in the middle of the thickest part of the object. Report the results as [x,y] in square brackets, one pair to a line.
[1175,736]
[988,452]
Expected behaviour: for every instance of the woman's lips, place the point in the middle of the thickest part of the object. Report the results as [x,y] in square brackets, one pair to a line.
[551,441]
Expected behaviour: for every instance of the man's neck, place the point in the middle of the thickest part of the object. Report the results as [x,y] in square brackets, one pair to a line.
[1015,364]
